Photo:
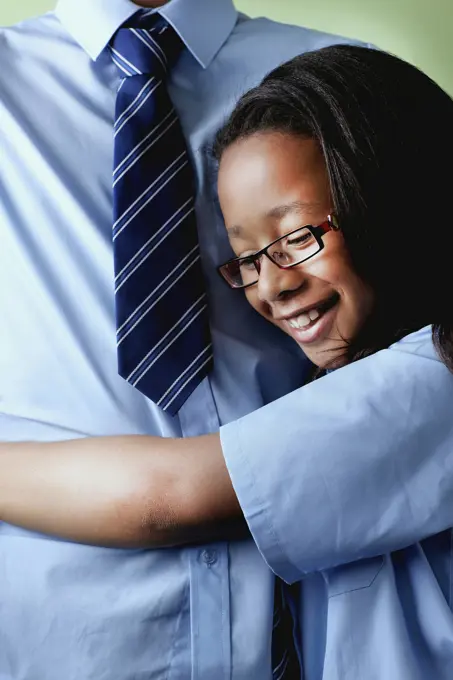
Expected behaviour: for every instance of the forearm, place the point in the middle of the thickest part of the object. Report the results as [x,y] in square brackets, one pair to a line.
[118,491]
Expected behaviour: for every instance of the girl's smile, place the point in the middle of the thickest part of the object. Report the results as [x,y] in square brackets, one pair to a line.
[270,184]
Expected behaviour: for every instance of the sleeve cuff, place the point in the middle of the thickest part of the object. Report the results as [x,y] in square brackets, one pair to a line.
[245,479]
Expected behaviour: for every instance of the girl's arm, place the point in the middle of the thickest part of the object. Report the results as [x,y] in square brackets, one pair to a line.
[129,491]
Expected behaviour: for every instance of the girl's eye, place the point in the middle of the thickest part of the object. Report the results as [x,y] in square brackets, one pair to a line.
[302,238]
[247,263]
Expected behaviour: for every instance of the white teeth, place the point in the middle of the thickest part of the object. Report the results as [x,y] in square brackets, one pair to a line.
[304,319]
[313,314]
[299,322]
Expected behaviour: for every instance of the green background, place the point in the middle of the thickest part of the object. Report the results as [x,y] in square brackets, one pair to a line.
[420,31]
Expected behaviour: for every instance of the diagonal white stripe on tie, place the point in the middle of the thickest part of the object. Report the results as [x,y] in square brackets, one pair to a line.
[164,338]
[134,101]
[168,345]
[151,46]
[142,196]
[139,104]
[151,251]
[154,303]
[143,141]
[175,396]
[145,150]
[122,59]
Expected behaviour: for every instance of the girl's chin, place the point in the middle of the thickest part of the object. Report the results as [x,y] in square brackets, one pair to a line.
[318,358]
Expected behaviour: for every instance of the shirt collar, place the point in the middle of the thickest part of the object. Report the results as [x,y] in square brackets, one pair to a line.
[203,25]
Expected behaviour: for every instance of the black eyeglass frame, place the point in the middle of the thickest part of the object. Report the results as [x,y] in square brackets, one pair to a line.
[318,231]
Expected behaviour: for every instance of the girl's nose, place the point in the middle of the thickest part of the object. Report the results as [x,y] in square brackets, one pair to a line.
[274,282]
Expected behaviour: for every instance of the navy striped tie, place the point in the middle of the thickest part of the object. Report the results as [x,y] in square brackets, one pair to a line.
[163,339]
[285,660]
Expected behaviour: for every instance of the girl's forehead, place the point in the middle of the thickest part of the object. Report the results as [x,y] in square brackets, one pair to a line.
[272,178]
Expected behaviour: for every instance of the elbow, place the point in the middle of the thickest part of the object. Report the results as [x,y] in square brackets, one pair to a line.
[152,516]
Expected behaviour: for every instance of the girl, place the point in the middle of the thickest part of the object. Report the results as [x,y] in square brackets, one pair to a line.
[334,183]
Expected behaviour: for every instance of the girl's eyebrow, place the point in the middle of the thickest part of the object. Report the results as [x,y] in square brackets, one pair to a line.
[278,212]
[294,207]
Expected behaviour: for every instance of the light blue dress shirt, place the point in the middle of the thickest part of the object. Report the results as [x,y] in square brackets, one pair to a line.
[359,511]
[71,612]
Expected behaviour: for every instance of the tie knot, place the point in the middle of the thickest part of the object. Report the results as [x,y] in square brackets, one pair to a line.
[152,48]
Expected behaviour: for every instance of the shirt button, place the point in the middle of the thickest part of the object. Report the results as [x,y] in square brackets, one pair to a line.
[209,557]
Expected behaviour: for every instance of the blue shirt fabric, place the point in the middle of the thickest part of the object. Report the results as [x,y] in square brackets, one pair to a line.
[360,511]
[85,613]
